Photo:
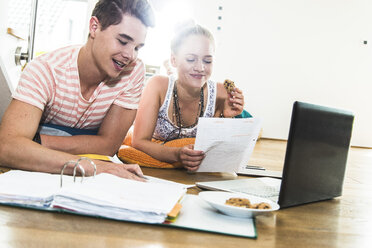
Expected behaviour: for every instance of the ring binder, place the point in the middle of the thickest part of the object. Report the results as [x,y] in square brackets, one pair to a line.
[81,169]
[91,162]
[63,168]
[77,165]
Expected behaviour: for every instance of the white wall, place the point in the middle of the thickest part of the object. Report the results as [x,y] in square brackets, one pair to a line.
[279,51]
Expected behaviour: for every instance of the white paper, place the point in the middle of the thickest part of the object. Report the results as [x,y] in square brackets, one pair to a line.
[170,183]
[104,195]
[197,214]
[109,196]
[30,188]
[227,142]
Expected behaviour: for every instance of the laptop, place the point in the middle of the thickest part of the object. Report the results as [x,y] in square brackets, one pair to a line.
[315,159]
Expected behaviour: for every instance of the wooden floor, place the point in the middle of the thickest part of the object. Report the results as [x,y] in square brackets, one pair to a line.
[342,222]
[349,220]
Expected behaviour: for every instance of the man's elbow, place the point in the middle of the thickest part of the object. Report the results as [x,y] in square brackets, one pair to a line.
[110,151]
[109,148]
[4,151]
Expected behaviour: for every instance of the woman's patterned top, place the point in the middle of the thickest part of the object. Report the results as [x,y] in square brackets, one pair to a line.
[166,130]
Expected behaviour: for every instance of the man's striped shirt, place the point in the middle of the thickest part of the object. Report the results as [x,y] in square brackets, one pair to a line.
[51,83]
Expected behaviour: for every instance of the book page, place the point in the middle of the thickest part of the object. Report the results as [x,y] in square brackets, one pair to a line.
[30,188]
[103,195]
[227,142]
[113,197]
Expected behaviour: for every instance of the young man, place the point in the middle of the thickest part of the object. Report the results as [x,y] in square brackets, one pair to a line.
[93,88]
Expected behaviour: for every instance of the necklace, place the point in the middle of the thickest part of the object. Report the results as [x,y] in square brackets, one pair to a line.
[177,111]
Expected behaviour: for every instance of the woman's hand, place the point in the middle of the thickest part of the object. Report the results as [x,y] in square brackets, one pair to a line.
[234,103]
[190,158]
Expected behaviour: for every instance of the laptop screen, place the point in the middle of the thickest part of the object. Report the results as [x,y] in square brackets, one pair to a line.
[316,155]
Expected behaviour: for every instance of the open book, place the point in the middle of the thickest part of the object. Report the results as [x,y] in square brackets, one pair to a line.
[104,195]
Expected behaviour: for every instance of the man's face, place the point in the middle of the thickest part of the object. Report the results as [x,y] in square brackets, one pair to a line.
[117,46]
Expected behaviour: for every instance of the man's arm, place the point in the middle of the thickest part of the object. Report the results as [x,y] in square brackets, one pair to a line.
[108,140]
[17,150]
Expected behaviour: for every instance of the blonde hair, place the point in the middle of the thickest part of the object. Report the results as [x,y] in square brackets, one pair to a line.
[190,28]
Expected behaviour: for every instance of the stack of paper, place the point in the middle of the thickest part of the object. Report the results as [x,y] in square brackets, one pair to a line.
[117,198]
[28,188]
[105,195]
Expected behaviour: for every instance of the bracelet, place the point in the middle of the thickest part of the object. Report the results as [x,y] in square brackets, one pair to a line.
[37,138]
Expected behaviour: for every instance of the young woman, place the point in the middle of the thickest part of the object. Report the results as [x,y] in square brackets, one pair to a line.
[170,106]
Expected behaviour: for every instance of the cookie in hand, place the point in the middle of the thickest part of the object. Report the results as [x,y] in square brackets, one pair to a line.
[229,85]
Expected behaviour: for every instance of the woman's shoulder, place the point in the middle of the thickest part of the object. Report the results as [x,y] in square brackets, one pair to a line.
[158,82]
[157,85]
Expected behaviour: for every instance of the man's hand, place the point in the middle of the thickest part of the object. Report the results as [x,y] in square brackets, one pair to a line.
[129,171]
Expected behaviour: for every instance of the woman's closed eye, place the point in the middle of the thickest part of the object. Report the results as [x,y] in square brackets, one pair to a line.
[137,48]
[204,61]
[190,60]
[122,42]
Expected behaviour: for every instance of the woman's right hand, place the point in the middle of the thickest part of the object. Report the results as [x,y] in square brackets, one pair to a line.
[190,158]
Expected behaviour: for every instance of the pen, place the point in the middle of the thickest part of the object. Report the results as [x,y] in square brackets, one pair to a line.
[142,176]
[254,167]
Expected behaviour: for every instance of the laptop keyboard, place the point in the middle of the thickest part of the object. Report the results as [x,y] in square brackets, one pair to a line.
[261,190]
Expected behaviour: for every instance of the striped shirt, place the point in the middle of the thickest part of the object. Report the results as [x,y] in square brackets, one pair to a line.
[51,83]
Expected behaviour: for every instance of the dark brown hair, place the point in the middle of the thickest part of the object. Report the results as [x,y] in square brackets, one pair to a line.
[110,12]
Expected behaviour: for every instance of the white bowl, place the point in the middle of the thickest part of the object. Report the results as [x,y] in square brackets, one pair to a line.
[217,200]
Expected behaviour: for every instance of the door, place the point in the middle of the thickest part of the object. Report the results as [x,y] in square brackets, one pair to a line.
[33,27]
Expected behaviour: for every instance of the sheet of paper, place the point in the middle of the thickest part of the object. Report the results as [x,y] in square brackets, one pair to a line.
[198,215]
[170,183]
[30,188]
[227,142]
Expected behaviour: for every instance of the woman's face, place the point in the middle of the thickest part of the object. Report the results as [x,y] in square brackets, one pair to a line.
[194,60]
